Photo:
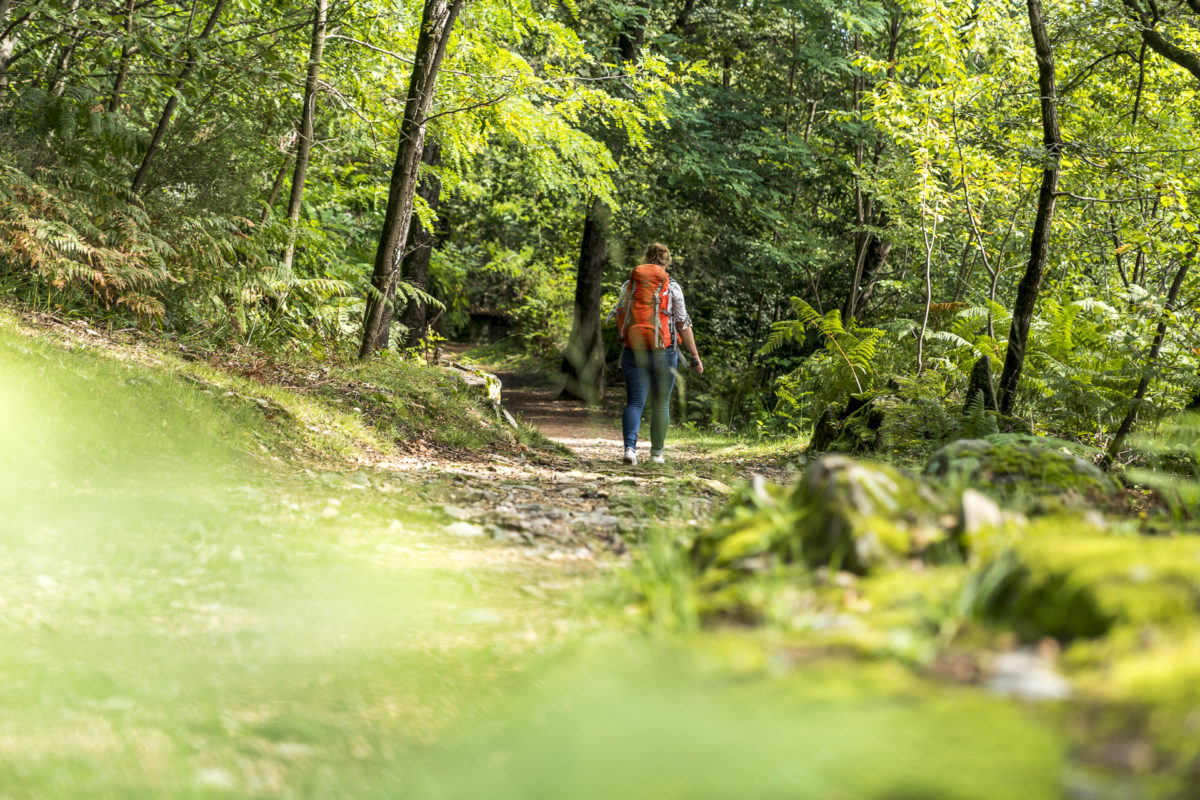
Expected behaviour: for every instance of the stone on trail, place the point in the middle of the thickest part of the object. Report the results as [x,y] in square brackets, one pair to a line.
[978,513]
[457,512]
[723,489]
[465,529]
[1024,673]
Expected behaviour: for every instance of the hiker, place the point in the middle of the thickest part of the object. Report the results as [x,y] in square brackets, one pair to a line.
[652,321]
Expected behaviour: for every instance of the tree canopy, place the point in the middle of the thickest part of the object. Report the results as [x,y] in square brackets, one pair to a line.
[855,194]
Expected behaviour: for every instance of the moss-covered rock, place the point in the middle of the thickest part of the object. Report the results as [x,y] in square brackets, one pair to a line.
[850,514]
[863,514]
[852,429]
[1080,582]
[1010,466]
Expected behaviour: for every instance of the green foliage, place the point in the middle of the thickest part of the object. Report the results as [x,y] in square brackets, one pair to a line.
[979,422]
[1172,464]
[857,350]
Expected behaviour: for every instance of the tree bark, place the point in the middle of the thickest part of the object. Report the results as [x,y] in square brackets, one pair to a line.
[419,250]
[583,361]
[1031,282]
[307,120]
[437,22]
[1139,394]
[8,43]
[114,100]
[164,120]
[1147,21]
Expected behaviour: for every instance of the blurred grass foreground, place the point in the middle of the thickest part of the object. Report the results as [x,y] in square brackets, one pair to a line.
[185,614]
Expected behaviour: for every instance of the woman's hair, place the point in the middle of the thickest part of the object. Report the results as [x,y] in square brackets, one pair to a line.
[658,254]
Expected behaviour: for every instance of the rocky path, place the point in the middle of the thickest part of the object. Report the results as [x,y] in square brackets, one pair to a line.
[582,500]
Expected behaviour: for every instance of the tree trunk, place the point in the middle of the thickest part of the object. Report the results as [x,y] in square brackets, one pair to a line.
[1139,394]
[583,363]
[437,22]
[114,100]
[164,119]
[58,78]
[8,43]
[276,188]
[304,143]
[980,383]
[1031,282]
[419,250]
[872,261]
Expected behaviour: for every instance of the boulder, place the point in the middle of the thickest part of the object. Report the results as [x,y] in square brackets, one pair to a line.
[863,514]
[852,515]
[1068,579]
[1010,465]
[485,386]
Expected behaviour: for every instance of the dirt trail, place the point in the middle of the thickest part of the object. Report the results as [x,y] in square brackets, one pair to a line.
[575,504]
[592,434]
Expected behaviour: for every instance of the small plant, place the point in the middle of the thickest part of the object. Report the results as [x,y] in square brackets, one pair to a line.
[979,422]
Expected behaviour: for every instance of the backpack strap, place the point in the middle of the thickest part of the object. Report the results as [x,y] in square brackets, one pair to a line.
[662,310]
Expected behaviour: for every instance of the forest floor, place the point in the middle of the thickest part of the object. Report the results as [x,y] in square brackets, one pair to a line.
[195,606]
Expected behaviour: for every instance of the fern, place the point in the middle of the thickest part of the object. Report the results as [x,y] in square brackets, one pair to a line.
[857,352]
[979,422]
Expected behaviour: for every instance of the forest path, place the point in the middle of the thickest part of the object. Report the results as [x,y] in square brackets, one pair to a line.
[583,499]
[592,434]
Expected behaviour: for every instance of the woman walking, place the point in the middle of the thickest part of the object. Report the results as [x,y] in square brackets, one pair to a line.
[652,320]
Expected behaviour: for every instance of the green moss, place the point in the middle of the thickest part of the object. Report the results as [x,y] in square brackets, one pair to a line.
[843,513]
[1070,584]
[1018,467]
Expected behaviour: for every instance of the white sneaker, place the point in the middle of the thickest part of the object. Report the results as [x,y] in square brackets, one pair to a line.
[657,458]
[631,456]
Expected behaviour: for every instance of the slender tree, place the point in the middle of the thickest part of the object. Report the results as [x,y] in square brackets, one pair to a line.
[583,361]
[307,118]
[1139,394]
[419,251]
[164,119]
[1031,282]
[437,23]
[8,43]
[114,100]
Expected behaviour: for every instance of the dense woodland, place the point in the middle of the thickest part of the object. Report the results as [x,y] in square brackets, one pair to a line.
[261,541]
[860,196]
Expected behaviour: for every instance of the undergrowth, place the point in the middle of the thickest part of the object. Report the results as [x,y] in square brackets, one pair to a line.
[338,410]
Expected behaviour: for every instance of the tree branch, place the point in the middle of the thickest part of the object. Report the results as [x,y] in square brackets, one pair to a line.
[1159,43]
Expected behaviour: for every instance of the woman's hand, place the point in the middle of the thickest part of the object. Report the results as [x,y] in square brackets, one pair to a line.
[697,365]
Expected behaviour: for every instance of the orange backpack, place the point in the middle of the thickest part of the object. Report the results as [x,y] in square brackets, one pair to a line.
[643,320]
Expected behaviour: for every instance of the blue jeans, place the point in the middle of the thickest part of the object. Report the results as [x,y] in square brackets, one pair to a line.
[648,373]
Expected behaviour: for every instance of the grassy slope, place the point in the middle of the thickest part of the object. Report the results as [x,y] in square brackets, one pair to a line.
[190,610]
